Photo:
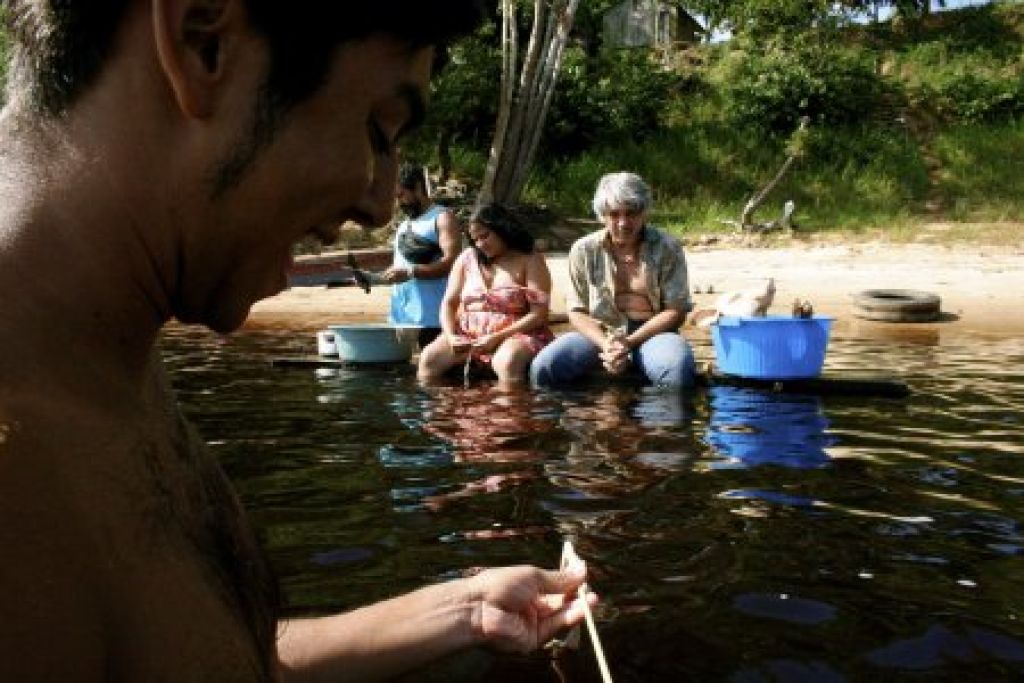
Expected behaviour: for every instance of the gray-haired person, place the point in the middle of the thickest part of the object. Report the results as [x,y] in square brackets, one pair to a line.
[628,298]
[159,160]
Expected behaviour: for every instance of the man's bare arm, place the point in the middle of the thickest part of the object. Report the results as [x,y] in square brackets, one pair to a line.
[515,609]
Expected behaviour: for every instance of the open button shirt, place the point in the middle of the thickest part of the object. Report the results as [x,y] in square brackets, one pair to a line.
[592,271]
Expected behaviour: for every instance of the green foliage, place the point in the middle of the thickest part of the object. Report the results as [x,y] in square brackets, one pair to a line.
[762,20]
[5,49]
[703,174]
[866,168]
[992,29]
[464,96]
[713,133]
[774,89]
[983,170]
[976,96]
[964,70]
[779,22]
[620,94]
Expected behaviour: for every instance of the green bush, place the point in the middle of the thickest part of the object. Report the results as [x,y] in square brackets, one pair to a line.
[464,98]
[983,167]
[5,48]
[619,95]
[772,91]
[709,137]
[976,96]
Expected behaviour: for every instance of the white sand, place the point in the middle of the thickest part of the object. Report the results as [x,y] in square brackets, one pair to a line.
[980,286]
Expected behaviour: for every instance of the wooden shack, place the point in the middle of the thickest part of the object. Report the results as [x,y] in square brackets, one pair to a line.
[652,24]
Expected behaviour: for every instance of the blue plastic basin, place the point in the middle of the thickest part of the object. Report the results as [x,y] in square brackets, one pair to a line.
[375,343]
[771,347]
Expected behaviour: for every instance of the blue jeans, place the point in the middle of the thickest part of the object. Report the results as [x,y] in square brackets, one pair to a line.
[665,360]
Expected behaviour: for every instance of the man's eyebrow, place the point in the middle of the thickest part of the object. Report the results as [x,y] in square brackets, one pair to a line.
[415,103]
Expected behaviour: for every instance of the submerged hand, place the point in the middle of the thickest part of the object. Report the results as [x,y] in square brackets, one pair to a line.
[518,609]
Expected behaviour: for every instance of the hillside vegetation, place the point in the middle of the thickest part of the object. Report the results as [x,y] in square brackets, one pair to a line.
[916,129]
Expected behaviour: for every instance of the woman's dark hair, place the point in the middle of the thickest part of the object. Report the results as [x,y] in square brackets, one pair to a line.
[503,223]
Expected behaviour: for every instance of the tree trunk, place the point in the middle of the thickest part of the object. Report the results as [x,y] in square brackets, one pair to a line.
[444,156]
[544,94]
[509,49]
[523,109]
[746,218]
[520,102]
[755,201]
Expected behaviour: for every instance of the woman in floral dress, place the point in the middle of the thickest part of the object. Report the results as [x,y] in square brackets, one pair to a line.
[495,309]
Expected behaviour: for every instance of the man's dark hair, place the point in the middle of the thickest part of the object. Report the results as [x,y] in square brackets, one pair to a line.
[503,223]
[60,46]
[410,176]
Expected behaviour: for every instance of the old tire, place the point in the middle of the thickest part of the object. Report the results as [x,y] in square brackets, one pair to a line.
[897,305]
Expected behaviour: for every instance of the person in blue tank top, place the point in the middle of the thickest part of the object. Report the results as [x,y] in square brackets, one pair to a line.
[425,247]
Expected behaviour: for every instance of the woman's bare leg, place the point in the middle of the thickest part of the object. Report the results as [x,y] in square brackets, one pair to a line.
[436,359]
[511,361]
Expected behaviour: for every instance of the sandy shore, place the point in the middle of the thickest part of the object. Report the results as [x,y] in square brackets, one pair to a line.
[980,287]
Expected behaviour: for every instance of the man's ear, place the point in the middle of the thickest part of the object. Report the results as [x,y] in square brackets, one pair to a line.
[191,38]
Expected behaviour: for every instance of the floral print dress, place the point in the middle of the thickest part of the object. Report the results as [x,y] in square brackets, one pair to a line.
[485,310]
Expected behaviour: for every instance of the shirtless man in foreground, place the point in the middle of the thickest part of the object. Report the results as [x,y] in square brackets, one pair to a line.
[158,159]
[628,297]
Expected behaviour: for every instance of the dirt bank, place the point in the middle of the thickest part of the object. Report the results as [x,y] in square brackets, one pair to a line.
[980,287]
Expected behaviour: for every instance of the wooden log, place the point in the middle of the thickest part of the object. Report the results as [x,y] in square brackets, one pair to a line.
[826,384]
[332,362]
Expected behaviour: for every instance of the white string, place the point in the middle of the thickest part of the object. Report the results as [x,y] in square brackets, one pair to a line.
[466,367]
[602,662]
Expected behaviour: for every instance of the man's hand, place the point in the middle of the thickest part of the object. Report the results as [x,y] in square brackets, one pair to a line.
[519,609]
[396,275]
[615,353]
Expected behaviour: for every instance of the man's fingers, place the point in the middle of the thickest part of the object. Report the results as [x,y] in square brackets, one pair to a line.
[553,624]
[564,581]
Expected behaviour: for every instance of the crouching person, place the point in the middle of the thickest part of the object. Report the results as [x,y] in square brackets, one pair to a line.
[629,295]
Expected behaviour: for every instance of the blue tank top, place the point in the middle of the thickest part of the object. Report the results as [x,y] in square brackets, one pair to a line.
[418,302]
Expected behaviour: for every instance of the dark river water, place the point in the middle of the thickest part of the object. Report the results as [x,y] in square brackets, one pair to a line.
[733,535]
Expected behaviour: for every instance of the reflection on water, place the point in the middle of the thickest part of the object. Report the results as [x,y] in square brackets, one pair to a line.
[734,535]
[751,427]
